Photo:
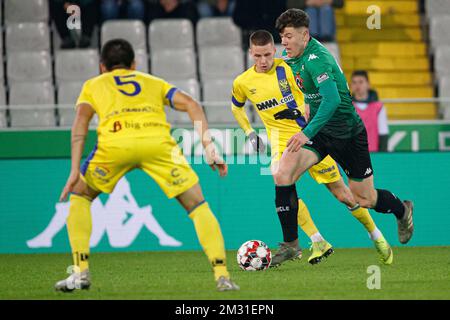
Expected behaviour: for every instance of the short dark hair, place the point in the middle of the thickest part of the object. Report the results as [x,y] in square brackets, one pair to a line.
[360,73]
[295,18]
[261,38]
[117,53]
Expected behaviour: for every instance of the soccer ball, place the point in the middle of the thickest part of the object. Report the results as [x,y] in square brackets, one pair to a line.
[254,255]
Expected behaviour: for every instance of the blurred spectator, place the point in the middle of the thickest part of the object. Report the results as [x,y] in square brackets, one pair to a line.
[130,9]
[371,111]
[321,13]
[172,9]
[215,8]
[253,15]
[89,18]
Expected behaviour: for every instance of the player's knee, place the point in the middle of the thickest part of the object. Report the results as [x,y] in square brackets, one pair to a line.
[282,177]
[365,201]
[343,196]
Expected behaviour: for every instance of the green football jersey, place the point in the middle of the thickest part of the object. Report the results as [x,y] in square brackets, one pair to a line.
[314,67]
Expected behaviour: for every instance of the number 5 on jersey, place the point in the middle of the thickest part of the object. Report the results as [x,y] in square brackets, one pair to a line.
[122,81]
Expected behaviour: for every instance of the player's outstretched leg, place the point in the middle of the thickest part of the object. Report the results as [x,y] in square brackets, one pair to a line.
[287,208]
[79,227]
[320,248]
[209,235]
[345,196]
[384,201]
[290,167]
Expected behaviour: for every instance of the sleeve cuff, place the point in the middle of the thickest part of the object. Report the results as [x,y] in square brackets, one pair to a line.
[169,96]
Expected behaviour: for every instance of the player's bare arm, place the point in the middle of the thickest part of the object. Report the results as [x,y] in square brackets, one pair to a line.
[80,128]
[184,102]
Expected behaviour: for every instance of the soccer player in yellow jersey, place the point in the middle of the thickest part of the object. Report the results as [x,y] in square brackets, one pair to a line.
[271,87]
[133,133]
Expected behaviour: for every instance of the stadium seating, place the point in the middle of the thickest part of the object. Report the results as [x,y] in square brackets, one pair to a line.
[29,66]
[437,7]
[442,61]
[68,92]
[3,120]
[76,65]
[1,67]
[131,30]
[2,96]
[33,116]
[220,62]
[27,36]
[439,30]
[66,114]
[166,34]
[31,93]
[396,55]
[190,86]
[26,11]
[215,91]
[218,32]
[174,64]
[444,92]
[141,58]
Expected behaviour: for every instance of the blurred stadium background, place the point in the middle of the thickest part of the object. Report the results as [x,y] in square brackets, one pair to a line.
[408,61]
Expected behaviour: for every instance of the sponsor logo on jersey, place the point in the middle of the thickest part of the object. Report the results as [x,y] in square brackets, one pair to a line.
[313,96]
[299,81]
[284,85]
[322,77]
[101,171]
[271,103]
[252,91]
[312,56]
[175,173]
[329,169]
[267,104]
[117,126]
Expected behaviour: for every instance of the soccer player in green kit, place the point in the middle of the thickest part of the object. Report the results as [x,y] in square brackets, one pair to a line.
[334,129]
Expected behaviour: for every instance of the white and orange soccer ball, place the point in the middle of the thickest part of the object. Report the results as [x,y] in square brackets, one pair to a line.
[254,255]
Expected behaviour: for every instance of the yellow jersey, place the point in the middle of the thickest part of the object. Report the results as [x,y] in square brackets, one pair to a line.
[128,103]
[271,92]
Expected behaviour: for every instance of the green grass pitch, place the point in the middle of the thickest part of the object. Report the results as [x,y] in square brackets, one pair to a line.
[417,273]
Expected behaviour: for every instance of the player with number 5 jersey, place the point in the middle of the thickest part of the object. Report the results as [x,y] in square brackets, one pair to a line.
[133,133]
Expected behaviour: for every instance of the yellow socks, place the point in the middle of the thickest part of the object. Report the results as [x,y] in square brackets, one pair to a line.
[304,219]
[363,216]
[79,227]
[210,238]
